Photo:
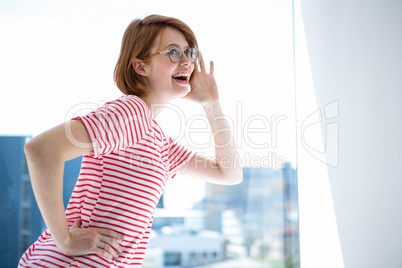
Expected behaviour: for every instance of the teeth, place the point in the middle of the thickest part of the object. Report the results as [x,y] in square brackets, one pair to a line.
[182,75]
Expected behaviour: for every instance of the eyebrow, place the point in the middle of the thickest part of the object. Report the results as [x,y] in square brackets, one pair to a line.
[173,44]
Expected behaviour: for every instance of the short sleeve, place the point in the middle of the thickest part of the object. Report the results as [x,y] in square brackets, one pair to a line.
[117,125]
[179,155]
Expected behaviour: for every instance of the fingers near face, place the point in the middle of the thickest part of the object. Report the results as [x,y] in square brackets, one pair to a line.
[202,64]
[201,60]
[211,67]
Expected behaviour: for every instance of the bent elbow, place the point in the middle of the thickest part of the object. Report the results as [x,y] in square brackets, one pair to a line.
[30,148]
[239,177]
[35,149]
[234,177]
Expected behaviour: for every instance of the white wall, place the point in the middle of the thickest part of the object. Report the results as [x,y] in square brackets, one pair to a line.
[355,55]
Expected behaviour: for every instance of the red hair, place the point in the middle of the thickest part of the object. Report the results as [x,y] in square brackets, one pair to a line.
[137,43]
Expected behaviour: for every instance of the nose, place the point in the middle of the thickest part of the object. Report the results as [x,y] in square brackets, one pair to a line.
[185,61]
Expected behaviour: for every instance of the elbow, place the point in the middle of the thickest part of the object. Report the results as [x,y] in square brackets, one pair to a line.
[234,177]
[30,148]
[32,154]
[239,177]
[35,149]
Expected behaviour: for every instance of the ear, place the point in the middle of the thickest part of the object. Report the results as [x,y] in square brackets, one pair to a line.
[139,67]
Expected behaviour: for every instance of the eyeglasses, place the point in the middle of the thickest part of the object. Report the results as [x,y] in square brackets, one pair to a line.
[175,53]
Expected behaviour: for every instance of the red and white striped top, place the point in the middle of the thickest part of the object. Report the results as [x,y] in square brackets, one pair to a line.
[119,185]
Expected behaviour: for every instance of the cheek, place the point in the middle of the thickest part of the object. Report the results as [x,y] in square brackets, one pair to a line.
[164,73]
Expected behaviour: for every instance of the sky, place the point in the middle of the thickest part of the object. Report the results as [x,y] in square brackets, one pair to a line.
[57,60]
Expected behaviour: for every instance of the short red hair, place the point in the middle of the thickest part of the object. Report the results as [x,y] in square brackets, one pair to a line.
[137,43]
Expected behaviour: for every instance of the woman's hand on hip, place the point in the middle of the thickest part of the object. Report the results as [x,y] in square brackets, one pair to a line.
[98,241]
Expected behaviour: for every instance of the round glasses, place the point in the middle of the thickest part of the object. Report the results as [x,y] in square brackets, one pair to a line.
[175,53]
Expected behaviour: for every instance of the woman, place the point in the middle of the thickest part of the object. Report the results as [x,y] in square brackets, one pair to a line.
[127,156]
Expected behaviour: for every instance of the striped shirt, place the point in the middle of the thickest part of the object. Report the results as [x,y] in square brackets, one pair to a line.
[119,185]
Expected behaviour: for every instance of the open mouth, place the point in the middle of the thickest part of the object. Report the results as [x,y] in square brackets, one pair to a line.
[181,77]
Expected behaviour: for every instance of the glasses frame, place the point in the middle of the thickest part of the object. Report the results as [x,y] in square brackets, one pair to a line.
[184,51]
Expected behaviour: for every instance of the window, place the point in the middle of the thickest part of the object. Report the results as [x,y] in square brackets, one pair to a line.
[251,224]
[255,222]
[172,258]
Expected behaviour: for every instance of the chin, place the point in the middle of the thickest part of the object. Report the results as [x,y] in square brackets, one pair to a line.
[175,93]
[181,91]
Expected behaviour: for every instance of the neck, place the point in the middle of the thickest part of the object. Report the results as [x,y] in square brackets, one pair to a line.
[156,105]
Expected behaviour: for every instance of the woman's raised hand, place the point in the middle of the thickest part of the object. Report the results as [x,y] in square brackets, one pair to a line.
[92,241]
[203,85]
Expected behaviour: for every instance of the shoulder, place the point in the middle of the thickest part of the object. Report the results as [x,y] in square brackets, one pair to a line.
[130,105]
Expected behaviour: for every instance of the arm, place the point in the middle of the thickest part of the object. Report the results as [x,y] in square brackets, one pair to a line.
[46,155]
[225,167]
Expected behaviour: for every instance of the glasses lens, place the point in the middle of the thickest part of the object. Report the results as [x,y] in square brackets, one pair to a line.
[191,53]
[175,54]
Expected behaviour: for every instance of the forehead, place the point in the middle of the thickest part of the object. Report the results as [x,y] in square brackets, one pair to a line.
[170,36]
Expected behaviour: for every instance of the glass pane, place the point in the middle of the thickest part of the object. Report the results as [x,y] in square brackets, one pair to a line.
[252,224]
[255,223]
